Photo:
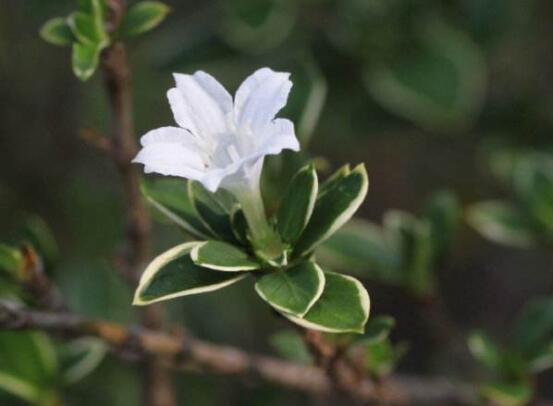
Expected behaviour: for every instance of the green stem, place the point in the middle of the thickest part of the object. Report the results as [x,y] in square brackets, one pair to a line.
[266,241]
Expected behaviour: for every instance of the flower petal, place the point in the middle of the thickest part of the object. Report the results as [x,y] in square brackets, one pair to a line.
[200,104]
[260,98]
[279,134]
[171,151]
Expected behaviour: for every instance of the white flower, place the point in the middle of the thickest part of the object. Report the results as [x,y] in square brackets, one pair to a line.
[221,142]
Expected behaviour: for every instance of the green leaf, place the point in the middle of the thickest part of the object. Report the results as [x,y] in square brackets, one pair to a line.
[334,179]
[290,345]
[362,248]
[213,209]
[28,365]
[414,244]
[80,357]
[174,274]
[333,208]
[87,30]
[378,328]
[443,213]
[343,307]
[485,351]
[533,186]
[381,357]
[501,222]
[56,31]
[543,360]
[533,330]
[84,60]
[142,17]
[293,290]
[170,197]
[221,256]
[239,225]
[297,205]
[439,84]
[503,394]
[10,260]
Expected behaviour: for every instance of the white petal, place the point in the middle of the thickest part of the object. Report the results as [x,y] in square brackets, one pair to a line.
[278,135]
[171,151]
[200,104]
[260,97]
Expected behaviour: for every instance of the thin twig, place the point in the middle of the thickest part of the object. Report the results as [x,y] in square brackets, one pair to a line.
[189,353]
[156,382]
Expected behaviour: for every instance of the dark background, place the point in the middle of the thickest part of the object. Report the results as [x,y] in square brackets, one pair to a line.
[498,61]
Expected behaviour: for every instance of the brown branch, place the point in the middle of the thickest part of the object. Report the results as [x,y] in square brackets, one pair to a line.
[156,381]
[190,353]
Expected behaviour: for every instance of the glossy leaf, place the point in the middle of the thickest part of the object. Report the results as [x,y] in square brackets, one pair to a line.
[293,290]
[87,30]
[10,260]
[170,197]
[501,222]
[533,330]
[333,209]
[56,31]
[174,274]
[78,358]
[84,60]
[362,248]
[213,209]
[443,213]
[290,345]
[28,366]
[502,394]
[297,204]
[343,307]
[439,84]
[414,243]
[142,17]
[485,351]
[221,256]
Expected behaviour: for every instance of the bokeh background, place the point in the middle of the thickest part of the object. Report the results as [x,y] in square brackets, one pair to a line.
[418,91]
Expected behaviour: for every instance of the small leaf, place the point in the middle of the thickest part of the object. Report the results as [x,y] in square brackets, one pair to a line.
[439,84]
[142,17]
[84,60]
[170,197]
[333,179]
[87,31]
[413,238]
[56,31]
[501,222]
[333,209]
[173,274]
[239,225]
[213,209]
[362,248]
[297,205]
[543,360]
[443,213]
[80,357]
[381,357]
[10,260]
[485,351]
[28,365]
[289,345]
[501,394]
[533,330]
[378,328]
[293,290]
[343,307]
[38,234]
[221,256]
